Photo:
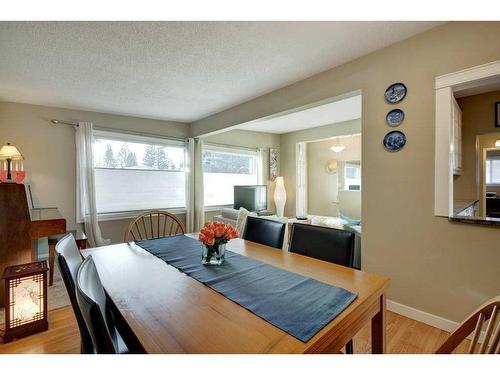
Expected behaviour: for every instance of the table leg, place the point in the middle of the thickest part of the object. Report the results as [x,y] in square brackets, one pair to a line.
[378,329]
[52,255]
[34,250]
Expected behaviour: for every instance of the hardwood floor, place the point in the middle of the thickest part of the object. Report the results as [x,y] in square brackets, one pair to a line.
[404,336]
[62,336]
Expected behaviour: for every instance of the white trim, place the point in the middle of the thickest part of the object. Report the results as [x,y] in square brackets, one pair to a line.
[230,149]
[132,214]
[443,170]
[425,317]
[124,136]
[422,316]
[467,75]
[217,208]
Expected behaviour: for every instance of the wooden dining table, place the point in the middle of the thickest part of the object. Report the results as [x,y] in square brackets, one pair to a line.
[170,312]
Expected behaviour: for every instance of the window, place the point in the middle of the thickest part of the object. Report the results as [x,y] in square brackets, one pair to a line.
[352,175]
[493,170]
[223,168]
[138,173]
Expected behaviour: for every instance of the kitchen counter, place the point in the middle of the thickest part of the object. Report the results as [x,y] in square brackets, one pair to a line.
[464,211]
[476,220]
[460,205]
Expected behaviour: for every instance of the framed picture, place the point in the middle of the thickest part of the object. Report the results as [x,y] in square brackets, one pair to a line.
[273,164]
[497,115]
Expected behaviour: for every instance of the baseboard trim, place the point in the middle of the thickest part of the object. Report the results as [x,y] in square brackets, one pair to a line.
[422,316]
[425,317]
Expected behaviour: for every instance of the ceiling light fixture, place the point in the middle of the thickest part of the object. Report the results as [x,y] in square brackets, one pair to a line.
[337,147]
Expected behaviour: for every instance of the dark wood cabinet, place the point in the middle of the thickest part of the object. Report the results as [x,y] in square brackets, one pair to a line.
[21,226]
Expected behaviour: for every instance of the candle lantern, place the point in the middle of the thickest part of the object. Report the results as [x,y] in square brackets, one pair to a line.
[25,299]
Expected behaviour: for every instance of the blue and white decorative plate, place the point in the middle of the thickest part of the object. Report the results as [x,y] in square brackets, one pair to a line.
[395,93]
[395,117]
[394,141]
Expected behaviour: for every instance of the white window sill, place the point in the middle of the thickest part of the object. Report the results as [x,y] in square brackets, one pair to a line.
[217,208]
[132,214]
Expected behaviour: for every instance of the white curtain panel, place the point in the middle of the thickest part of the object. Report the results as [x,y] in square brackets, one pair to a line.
[199,204]
[261,167]
[85,187]
[190,185]
[301,188]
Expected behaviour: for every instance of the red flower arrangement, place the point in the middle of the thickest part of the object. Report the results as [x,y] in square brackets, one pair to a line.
[214,236]
[216,233]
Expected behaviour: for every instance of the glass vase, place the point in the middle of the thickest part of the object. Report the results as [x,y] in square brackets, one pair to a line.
[213,255]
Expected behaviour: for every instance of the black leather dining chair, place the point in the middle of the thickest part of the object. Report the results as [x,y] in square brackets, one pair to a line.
[328,244]
[69,261]
[94,307]
[266,232]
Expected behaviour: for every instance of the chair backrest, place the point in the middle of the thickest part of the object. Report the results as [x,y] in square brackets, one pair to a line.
[266,232]
[69,261]
[488,315]
[329,244]
[153,224]
[92,302]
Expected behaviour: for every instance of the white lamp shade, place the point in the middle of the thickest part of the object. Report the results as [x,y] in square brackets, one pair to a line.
[10,152]
[497,143]
[280,197]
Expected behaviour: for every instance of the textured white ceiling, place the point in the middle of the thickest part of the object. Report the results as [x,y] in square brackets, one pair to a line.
[180,71]
[330,113]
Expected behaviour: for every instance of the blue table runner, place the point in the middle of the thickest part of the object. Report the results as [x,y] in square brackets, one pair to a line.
[296,304]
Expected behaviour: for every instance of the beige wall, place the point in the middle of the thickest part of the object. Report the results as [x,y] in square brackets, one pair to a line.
[325,189]
[437,266]
[50,152]
[478,115]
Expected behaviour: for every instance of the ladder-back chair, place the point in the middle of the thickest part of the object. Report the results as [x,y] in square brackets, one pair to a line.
[485,316]
[153,224]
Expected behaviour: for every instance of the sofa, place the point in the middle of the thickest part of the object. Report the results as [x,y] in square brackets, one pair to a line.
[237,218]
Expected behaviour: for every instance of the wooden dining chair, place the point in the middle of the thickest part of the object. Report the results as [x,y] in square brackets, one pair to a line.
[487,313]
[69,261]
[153,224]
[96,312]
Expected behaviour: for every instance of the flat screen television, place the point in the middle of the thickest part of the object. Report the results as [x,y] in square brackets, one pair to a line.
[251,197]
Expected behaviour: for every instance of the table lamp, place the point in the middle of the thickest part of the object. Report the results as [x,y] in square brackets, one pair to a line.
[10,153]
[25,299]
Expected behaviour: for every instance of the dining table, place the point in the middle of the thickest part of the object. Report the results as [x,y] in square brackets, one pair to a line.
[167,311]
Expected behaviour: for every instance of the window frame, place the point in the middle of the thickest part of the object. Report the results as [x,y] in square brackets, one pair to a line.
[229,150]
[351,164]
[148,140]
[492,184]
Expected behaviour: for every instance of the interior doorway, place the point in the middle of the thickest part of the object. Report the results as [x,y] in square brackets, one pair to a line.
[329,177]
